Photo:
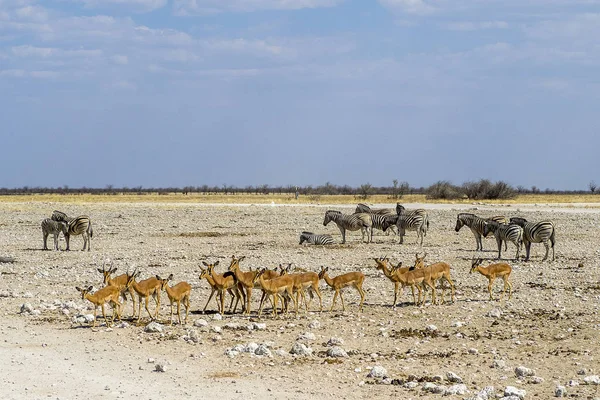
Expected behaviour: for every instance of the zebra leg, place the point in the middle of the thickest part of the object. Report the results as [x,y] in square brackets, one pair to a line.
[45,241]
[499,243]
[56,241]
[401,234]
[343,235]
[547,246]
[527,249]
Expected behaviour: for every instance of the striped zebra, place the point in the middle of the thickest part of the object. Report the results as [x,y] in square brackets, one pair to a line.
[475,223]
[377,217]
[61,216]
[536,232]
[351,222]
[413,220]
[49,226]
[81,225]
[311,238]
[504,232]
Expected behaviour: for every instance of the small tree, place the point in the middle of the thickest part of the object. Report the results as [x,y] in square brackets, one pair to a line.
[593,187]
[365,190]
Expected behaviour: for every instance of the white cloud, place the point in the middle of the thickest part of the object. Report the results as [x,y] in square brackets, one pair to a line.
[203,7]
[419,7]
[135,5]
[476,25]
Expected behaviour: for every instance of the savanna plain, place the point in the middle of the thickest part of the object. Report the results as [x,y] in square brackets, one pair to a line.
[550,326]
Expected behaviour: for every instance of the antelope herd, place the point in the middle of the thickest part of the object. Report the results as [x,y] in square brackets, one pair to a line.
[284,285]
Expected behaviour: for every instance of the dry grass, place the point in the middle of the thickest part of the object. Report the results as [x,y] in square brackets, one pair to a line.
[224,374]
[283,199]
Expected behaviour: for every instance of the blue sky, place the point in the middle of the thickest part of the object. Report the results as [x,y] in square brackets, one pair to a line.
[302,92]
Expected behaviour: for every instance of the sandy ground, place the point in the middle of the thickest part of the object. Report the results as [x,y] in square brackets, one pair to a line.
[551,324]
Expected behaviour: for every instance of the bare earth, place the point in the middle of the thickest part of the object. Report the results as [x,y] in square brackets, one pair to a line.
[551,325]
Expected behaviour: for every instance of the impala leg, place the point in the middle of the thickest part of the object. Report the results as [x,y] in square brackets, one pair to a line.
[490,288]
[396,284]
[342,298]
[222,292]
[179,311]
[95,316]
[362,297]
[318,292]
[187,308]
[335,295]
[248,297]
[212,292]
[146,301]
[104,315]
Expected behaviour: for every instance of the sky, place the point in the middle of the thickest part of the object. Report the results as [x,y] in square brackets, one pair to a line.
[171,93]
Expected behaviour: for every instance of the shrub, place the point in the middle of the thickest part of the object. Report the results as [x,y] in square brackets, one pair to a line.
[443,190]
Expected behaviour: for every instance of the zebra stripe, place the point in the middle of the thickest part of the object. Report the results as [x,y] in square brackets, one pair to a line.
[475,223]
[61,216]
[49,226]
[504,232]
[413,220]
[536,232]
[351,222]
[81,225]
[363,208]
[312,238]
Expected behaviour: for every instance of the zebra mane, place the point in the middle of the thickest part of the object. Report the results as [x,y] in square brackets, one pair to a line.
[307,233]
[466,214]
[333,212]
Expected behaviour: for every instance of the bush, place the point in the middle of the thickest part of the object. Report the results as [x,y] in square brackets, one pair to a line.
[486,190]
[443,190]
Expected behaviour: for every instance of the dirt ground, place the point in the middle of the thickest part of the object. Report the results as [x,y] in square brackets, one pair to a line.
[551,324]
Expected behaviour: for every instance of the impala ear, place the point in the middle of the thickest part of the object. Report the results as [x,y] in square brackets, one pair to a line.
[90,288]
[204,263]
[112,271]
[99,270]
[78,288]
[170,277]
[216,263]
[241,258]
[158,277]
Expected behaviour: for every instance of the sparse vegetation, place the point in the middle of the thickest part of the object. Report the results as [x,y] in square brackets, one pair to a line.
[444,190]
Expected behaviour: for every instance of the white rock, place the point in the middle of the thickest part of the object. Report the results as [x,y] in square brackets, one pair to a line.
[473,351]
[231,353]
[431,328]
[411,384]
[487,393]
[282,353]
[306,336]
[453,390]
[592,380]
[153,327]
[314,324]
[500,364]
[457,324]
[192,335]
[337,351]
[26,308]
[536,380]
[251,347]
[513,391]
[200,322]
[495,313]
[452,377]
[259,326]
[123,325]
[216,329]
[301,349]
[160,367]
[573,382]
[377,372]
[429,386]
[523,371]
[263,350]
[234,326]
[334,341]
[560,391]
[217,317]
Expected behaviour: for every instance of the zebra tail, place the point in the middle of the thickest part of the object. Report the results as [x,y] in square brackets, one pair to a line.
[552,237]
[91,230]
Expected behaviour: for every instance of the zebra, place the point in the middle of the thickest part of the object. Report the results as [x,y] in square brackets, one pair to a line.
[49,226]
[414,220]
[504,232]
[81,225]
[501,219]
[61,216]
[474,222]
[536,232]
[363,208]
[377,216]
[311,238]
[351,222]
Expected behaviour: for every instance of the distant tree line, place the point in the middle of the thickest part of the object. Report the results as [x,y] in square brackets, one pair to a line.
[483,189]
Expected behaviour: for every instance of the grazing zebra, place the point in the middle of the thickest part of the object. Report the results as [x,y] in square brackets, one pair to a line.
[377,216]
[81,225]
[414,220]
[311,238]
[536,232]
[61,216]
[504,232]
[474,222]
[351,222]
[49,226]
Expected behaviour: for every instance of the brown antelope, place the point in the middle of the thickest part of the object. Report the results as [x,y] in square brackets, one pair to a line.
[418,278]
[492,272]
[108,294]
[383,264]
[118,281]
[355,279]
[231,285]
[303,281]
[246,279]
[222,283]
[436,272]
[145,289]
[178,293]
[274,287]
